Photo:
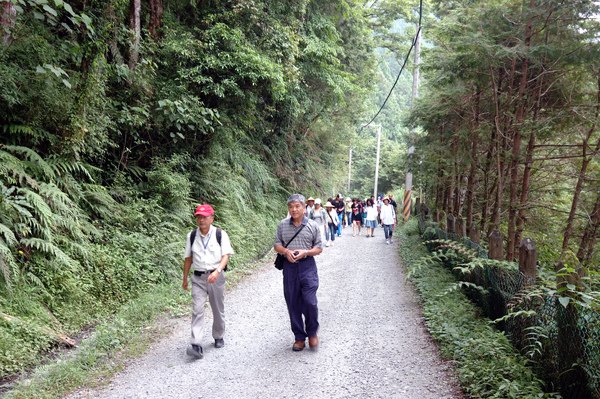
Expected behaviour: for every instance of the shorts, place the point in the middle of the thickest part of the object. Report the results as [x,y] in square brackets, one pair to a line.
[371,223]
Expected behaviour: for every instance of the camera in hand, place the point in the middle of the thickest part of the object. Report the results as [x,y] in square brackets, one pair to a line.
[296,253]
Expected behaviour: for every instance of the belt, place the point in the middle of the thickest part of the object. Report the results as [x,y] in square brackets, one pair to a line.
[201,272]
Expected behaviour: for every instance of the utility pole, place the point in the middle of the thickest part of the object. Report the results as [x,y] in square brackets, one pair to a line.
[407,200]
[349,169]
[377,160]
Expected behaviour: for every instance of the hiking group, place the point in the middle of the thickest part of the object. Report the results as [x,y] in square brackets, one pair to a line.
[338,213]
[300,236]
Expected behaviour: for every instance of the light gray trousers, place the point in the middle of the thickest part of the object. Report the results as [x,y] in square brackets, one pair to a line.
[215,292]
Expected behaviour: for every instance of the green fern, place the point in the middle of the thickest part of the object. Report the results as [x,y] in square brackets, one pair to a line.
[39,207]
[49,248]
[73,168]
[13,171]
[35,160]
[8,265]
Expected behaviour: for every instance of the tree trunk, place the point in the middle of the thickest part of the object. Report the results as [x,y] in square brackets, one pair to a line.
[581,178]
[135,8]
[516,144]
[474,162]
[156,14]
[488,190]
[416,71]
[590,235]
[8,20]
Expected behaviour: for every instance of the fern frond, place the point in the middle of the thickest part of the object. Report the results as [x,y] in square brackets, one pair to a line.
[34,158]
[99,199]
[73,248]
[19,204]
[36,282]
[8,265]
[71,187]
[14,170]
[39,206]
[34,227]
[64,167]
[49,248]
[58,201]
[8,235]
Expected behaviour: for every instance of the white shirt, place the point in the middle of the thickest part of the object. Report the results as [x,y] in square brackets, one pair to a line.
[387,214]
[208,258]
[371,212]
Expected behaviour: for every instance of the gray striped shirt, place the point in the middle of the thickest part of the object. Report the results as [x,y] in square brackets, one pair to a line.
[308,238]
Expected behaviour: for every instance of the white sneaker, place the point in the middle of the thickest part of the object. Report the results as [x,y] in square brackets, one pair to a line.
[327,243]
[387,241]
[391,241]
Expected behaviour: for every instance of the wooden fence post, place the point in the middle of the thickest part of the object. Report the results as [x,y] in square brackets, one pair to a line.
[418,206]
[474,234]
[528,260]
[450,224]
[461,228]
[496,250]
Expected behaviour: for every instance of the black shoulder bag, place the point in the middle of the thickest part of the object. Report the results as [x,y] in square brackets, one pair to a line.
[280,258]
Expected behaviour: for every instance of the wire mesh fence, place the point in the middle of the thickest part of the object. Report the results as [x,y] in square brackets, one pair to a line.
[562,340]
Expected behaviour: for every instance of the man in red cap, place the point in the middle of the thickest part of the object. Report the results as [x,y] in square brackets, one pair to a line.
[207,252]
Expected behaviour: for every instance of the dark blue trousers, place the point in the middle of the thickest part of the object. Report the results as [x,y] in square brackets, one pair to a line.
[300,284]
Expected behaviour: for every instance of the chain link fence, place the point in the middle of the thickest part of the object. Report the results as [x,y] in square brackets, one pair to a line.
[562,340]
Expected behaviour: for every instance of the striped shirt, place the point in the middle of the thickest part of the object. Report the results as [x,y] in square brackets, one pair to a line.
[308,238]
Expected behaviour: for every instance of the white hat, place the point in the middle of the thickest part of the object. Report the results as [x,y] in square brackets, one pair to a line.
[328,205]
[318,201]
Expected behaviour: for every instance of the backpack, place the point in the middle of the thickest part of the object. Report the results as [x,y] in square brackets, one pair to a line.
[193,238]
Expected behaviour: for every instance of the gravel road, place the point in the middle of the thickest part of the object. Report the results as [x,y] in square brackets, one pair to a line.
[373,343]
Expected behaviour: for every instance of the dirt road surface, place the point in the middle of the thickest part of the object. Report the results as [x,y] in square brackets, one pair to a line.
[373,340]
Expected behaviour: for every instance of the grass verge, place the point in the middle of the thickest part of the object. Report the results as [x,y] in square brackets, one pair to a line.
[486,363]
[126,335]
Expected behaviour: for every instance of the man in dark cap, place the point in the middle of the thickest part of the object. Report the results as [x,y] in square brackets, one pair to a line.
[299,240]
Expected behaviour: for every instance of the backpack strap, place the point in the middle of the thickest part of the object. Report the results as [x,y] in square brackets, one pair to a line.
[218,236]
[193,236]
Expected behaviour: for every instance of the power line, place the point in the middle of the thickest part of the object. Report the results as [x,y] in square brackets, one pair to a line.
[403,65]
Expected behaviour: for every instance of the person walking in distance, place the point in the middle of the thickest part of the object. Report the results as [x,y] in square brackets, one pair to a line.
[320,216]
[338,204]
[388,218]
[371,218]
[332,222]
[207,252]
[299,240]
[356,217]
[348,211]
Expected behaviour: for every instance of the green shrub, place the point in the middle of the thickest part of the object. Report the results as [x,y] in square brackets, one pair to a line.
[486,363]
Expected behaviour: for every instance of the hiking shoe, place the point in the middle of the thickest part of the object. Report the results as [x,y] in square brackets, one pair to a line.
[298,345]
[195,351]
[313,342]
[219,343]
[387,241]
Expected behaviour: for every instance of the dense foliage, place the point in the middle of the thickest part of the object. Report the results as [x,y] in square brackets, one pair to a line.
[117,116]
[510,111]
[486,363]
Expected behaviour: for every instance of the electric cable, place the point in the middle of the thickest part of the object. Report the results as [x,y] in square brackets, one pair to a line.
[414,42]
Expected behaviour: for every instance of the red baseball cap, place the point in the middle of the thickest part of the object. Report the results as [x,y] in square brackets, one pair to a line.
[204,210]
